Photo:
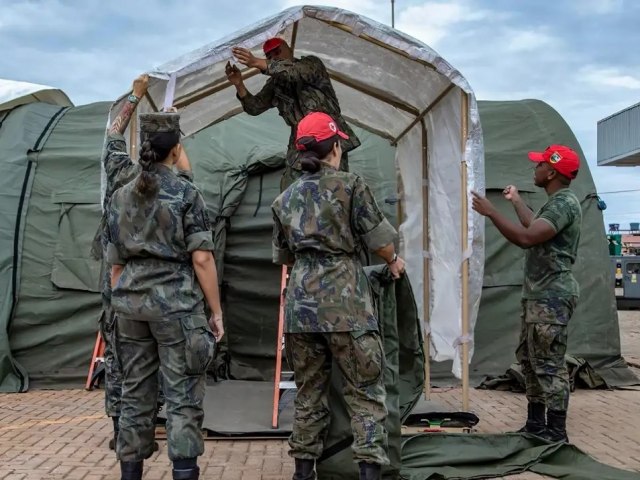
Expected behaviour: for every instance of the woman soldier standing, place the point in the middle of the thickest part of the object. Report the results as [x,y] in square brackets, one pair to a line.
[160,246]
[318,222]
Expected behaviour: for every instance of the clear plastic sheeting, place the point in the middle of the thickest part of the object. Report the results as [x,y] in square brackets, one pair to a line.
[386,82]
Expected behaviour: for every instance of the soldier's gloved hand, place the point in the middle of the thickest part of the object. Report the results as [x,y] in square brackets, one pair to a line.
[140,85]
[217,327]
[397,268]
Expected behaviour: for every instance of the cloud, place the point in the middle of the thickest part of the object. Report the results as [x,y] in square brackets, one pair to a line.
[433,21]
[609,77]
[528,40]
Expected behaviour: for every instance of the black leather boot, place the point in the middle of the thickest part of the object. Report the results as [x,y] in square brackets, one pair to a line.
[131,470]
[305,469]
[116,429]
[535,420]
[370,471]
[186,473]
[556,427]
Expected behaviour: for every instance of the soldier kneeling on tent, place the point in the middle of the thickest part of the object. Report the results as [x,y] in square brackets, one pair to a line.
[329,315]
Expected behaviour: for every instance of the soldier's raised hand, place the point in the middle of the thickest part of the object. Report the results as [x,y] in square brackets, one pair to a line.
[140,85]
[233,74]
[511,193]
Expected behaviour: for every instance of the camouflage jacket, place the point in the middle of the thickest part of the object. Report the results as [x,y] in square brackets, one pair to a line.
[297,88]
[547,267]
[318,222]
[154,238]
[119,170]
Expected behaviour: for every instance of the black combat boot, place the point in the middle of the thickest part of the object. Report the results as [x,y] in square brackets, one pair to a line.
[370,471]
[186,473]
[556,427]
[535,420]
[305,469]
[116,429]
[131,470]
[186,469]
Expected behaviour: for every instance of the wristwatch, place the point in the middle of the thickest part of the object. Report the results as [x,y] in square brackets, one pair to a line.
[133,99]
[395,257]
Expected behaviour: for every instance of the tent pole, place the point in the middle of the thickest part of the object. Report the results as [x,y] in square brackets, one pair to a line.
[212,88]
[465,259]
[294,35]
[133,135]
[422,114]
[425,262]
[375,41]
[362,88]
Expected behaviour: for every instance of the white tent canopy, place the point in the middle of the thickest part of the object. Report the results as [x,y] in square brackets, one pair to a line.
[399,88]
[14,93]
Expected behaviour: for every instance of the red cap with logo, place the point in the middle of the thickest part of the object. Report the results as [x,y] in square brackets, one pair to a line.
[271,44]
[563,159]
[319,126]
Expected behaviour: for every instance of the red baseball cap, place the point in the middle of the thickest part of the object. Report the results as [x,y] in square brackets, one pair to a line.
[563,159]
[271,44]
[319,126]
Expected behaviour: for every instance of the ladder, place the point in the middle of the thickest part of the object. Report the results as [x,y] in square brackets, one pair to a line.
[280,385]
[96,360]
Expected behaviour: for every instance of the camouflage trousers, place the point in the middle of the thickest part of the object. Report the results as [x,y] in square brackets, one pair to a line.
[360,358]
[113,373]
[182,349]
[112,370]
[292,171]
[542,348]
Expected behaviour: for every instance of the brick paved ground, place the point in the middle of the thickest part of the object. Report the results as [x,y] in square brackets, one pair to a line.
[46,435]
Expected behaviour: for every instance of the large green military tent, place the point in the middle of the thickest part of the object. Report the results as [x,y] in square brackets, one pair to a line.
[50,174]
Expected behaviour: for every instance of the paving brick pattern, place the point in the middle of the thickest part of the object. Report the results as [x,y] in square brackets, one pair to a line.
[55,435]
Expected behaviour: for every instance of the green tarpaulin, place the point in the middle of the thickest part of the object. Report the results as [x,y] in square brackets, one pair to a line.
[51,329]
[473,457]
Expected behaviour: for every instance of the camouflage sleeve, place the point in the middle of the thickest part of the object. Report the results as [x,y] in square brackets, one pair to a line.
[116,157]
[368,221]
[186,174]
[195,221]
[114,256]
[558,212]
[260,102]
[282,254]
[306,70]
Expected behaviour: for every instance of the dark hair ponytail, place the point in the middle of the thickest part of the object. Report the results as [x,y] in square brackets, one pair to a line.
[314,152]
[153,151]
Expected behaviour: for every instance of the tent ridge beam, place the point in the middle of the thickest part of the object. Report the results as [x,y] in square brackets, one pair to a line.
[422,114]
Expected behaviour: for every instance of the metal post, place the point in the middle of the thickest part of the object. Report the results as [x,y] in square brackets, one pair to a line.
[393,14]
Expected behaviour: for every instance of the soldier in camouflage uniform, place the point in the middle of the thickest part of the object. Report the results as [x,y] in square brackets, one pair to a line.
[295,87]
[329,315]
[159,246]
[119,170]
[550,292]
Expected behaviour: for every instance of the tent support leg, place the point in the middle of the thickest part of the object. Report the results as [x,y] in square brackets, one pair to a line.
[425,262]
[465,259]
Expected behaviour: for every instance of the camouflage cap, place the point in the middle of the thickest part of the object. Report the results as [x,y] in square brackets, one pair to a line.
[159,122]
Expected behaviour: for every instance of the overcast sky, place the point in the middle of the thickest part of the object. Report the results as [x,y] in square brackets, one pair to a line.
[580,56]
